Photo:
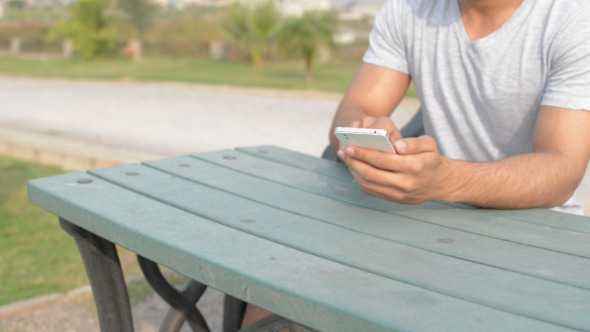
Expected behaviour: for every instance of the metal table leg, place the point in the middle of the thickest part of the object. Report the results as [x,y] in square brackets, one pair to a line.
[233,313]
[106,278]
[183,302]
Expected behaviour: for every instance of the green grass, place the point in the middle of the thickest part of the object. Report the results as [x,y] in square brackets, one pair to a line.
[329,77]
[37,256]
[290,76]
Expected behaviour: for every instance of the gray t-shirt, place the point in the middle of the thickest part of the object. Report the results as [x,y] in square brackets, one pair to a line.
[481,99]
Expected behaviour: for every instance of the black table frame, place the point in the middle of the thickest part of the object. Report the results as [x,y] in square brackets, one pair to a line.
[103,267]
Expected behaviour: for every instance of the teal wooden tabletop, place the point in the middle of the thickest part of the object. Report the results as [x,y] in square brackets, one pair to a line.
[293,234]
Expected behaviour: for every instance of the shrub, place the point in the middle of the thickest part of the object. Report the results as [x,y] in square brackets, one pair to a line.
[91,31]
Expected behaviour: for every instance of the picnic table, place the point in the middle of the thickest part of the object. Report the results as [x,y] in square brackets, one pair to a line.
[293,234]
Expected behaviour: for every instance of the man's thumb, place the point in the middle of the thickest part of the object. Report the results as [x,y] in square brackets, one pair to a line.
[400,146]
[415,145]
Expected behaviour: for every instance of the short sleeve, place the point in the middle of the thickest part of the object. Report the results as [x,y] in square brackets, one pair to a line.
[386,41]
[568,81]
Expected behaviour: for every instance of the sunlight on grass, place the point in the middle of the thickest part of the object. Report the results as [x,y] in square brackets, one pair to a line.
[38,257]
[328,77]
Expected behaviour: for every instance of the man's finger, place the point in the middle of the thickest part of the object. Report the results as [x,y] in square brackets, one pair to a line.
[410,163]
[381,160]
[391,186]
[378,176]
[415,145]
[388,125]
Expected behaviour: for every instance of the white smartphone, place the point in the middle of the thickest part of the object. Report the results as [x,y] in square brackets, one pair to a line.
[376,139]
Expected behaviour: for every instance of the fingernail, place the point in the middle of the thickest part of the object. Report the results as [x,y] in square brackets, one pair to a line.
[400,146]
[349,152]
[341,154]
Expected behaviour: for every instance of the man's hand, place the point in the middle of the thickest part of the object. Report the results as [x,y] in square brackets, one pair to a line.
[384,123]
[547,177]
[414,175]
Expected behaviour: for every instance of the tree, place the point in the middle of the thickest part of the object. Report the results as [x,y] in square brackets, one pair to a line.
[305,35]
[253,26]
[91,31]
[141,14]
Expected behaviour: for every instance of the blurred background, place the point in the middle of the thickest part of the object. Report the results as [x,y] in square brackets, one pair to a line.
[97,83]
[259,31]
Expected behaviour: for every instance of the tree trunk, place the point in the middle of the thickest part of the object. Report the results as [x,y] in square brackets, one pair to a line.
[256,59]
[308,68]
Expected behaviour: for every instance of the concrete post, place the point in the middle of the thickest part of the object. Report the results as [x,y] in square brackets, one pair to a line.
[218,50]
[136,49]
[15,45]
[67,49]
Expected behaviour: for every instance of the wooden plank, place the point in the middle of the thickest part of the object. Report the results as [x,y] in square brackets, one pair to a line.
[539,216]
[314,291]
[508,255]
[565,241]
[503,289]
[545,217]
[300,160]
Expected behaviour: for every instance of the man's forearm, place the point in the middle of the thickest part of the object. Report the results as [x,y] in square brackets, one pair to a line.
[525,181]
[347,113]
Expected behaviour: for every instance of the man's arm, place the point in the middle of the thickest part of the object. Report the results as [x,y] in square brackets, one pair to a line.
[375,92]
[545,178]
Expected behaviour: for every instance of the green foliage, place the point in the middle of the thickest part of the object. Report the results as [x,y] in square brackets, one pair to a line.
[34,14]
[92,32]
[203,30]
[304,36]
[330,77]
[15,4]
[253,26]
[139,13]
[189,12]
[36,31]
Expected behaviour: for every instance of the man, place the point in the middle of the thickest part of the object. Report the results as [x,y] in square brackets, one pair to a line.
[505,90]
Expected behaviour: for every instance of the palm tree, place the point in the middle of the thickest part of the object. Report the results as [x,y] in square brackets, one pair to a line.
[253,26]
[305,35]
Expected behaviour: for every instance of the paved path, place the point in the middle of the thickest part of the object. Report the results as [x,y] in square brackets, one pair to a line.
[168,119]
[75,311]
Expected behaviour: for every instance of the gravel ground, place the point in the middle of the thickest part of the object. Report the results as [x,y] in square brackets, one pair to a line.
[76,312]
